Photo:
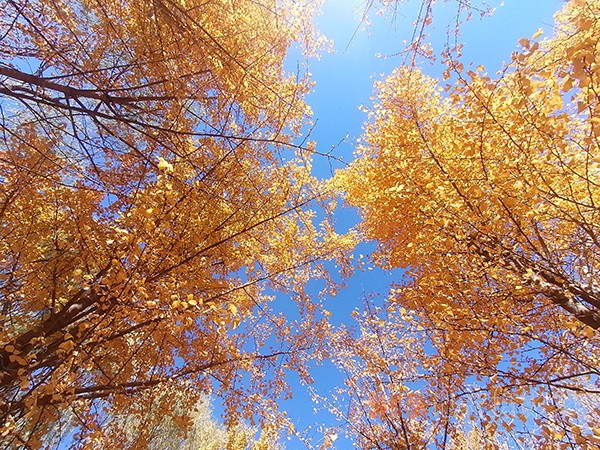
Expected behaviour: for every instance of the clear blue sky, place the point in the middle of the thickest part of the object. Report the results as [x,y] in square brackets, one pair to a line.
[344,81]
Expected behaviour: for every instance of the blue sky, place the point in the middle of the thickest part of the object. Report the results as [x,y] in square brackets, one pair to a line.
[344,81]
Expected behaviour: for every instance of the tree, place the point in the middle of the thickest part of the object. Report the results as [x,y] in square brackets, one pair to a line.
[170,418]
[150,189]
[407,388]
[487,192]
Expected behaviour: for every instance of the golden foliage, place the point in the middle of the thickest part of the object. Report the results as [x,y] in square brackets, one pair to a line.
[487,192]
[149,189]
[175,417]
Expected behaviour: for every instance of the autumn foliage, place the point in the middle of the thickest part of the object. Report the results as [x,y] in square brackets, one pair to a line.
[149,188]
[156,191]
[486,192]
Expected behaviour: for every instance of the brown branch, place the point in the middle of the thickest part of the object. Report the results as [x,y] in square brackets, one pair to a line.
[71,92]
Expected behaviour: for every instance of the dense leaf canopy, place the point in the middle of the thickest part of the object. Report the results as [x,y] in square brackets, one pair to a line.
[149,183]
[156,192]
[487,192]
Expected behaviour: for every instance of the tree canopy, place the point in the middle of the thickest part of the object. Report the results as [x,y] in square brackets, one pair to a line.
[487,192]
[156,193]
[150,187]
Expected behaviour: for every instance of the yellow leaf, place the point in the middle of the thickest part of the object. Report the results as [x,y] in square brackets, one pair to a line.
[558,434]
[164,165]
